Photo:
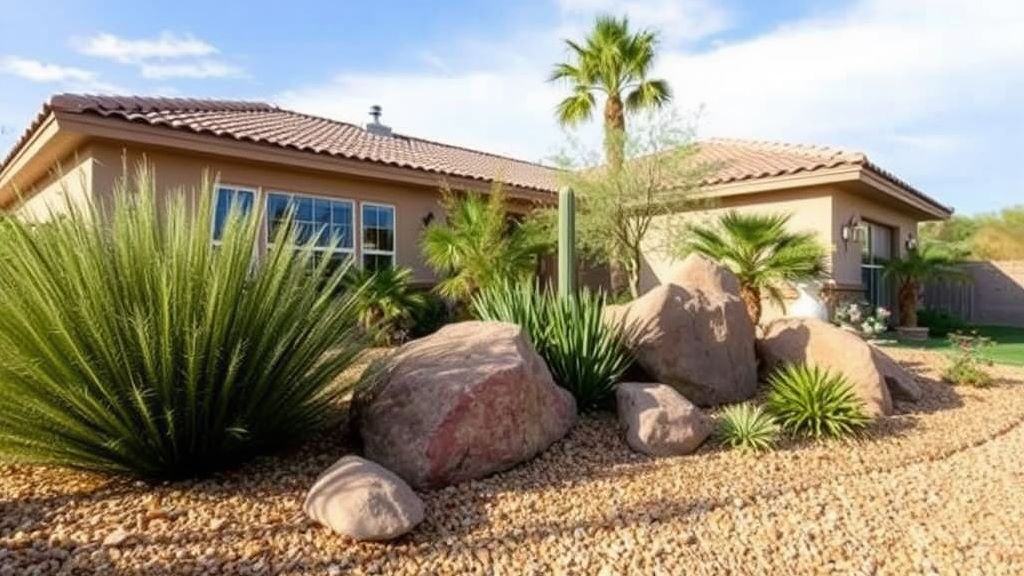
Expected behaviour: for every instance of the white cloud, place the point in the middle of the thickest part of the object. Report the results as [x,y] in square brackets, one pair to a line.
[166,46]
[926,87]
[202,69]
[37,71]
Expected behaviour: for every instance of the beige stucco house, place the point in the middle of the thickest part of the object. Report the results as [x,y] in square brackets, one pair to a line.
[378,189]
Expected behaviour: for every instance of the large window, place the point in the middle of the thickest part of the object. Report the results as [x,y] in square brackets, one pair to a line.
[877,249]
[227,197]
[378,236]
[327,223]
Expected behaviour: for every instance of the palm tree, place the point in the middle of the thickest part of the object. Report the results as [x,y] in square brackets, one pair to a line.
[761,251]
[479,246]
[615,62]
[385,301]
[919,265]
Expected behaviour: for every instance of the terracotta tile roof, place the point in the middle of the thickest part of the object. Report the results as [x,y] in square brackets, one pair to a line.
[264,123]
[733,160]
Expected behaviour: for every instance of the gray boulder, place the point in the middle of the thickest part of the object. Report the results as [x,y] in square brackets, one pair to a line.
[363,501]
[658,421]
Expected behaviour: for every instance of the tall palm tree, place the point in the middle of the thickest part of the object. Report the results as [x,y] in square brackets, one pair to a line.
[615,62]
[478,245]
[761,251]
[922,264]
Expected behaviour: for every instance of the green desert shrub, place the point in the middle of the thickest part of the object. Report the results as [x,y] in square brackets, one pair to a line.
[807,400]
[431,316]
[585,354]
[939,322]
[133,344]
[385,302]
[747,426]
[966,363]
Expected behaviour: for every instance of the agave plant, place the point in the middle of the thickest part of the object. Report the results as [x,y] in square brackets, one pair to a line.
[385,302]
[585,354]
[814,402]
[131,344]
[747,426]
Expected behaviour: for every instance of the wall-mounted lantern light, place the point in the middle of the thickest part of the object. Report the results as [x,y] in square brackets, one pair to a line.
[428,218]
[851,231]
[911,242]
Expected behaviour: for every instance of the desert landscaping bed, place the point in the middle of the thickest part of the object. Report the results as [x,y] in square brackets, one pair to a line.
[934,489]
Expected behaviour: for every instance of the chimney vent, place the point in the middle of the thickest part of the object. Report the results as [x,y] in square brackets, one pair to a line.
[375,127]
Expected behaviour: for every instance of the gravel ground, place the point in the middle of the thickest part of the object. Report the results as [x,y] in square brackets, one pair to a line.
[939,488]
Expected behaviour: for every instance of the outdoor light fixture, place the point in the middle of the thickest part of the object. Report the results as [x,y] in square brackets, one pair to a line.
[849,230]
[911,243]
[428,218]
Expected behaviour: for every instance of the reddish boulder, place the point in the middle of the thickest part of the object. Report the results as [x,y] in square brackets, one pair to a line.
[472,399]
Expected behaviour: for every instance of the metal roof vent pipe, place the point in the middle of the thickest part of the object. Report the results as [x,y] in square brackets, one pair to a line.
[375,127]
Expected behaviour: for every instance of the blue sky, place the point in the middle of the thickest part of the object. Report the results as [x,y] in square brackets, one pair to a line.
[929,89]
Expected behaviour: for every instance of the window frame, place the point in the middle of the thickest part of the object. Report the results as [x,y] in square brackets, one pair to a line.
[351,251]
[363,252]
[254,190]
[875,264]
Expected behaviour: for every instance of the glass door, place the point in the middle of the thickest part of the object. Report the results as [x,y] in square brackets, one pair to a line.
[877,249]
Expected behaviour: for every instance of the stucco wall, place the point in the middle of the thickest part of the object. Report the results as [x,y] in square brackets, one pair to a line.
[176,171]
[847,256]
[68,183]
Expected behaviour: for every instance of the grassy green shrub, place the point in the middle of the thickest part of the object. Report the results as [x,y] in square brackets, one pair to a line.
[747,426]
[807,400]
[586,355]
[939,322]
[385,302]
[967,365]
[131,344]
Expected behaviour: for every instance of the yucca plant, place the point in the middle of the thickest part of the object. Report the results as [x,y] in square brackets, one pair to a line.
[747,426]
[586,355]
[132,344]
[385,302]
[807,400]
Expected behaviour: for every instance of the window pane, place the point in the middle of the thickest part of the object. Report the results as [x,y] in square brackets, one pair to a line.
[226,199]
[374,262]
[322,212]
[304,209]
[385,239]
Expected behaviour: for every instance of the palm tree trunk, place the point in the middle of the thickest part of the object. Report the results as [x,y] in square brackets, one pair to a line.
[908,304]
[751,296]
[614,132]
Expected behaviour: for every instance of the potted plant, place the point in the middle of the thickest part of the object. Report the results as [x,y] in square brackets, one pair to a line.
[924,263]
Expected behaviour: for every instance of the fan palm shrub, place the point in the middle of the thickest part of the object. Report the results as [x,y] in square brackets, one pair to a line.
[385,302]
[132,344]
[810,401]
[479,245]
[586,355]
[928,262]
[747,426]
[762,252]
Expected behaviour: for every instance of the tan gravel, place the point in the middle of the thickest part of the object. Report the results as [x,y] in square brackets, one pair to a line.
[936,489]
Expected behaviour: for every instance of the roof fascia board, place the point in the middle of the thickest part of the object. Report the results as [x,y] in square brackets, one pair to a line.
[43,134]
[873,179]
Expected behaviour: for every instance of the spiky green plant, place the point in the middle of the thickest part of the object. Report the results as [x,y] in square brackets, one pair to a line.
[131,344]
[811,401]
[747,426]
[385,302]
[585,354]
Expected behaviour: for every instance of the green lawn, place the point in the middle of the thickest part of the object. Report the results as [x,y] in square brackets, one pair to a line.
[1008,347]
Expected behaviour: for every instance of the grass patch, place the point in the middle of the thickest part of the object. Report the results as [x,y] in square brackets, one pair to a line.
[1007,347]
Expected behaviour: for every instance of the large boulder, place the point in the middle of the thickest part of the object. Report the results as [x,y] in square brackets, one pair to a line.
[815,342]
[471,399]
[901,383]
[693,333]
[658,421]
[364,501]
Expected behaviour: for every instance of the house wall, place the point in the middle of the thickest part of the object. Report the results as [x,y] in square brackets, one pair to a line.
[68,184]
[847,256]
[176,172]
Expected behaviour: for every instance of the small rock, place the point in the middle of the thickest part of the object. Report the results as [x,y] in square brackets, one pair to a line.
[117,537]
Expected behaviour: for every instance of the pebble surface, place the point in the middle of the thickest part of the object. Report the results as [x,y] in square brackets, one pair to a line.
[936,489]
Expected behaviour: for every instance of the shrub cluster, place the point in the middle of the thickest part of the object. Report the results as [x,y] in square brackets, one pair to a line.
[967,365]
[131,343]
[939,322]
[747,426]
[810,401]
[585,354]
